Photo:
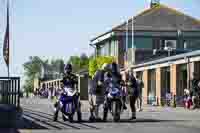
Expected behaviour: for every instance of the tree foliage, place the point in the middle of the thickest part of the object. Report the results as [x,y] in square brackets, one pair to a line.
[32,70]
[96,63]
[38,68]
[79,62]
[45,69]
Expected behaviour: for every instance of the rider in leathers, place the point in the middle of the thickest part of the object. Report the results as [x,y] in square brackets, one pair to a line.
[70,80]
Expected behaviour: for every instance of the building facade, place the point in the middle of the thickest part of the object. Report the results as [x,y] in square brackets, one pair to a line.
[161,45]
[168,75]
[159,30]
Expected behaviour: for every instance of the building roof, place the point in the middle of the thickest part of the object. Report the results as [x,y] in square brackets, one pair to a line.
[159,18]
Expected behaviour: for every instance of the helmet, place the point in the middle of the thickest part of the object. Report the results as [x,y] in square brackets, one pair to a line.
[68,68]
[106,67]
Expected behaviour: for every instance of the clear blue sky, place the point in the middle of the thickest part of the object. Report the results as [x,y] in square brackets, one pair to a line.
[64,27]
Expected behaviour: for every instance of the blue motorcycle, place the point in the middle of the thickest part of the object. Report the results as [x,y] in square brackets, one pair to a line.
[113,103]
[68,104]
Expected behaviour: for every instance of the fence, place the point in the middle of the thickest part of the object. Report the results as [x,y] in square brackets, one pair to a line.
[10,90]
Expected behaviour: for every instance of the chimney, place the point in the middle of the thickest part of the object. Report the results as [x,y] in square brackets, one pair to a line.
[154,3]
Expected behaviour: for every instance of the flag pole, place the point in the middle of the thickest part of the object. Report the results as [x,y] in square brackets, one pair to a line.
[8,38]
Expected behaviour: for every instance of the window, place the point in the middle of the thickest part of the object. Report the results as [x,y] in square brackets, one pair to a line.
[192,44]
[170,43]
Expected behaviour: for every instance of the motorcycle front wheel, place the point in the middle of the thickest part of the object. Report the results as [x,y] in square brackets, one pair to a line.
[116,111]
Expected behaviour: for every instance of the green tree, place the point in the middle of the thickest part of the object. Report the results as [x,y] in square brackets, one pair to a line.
[96,63]
[32,70]
[79,63]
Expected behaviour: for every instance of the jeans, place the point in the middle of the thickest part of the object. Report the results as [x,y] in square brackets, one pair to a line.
[132,103]
[139,102]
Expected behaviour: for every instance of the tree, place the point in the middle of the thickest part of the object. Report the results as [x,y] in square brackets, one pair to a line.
[79,63]
[57,67]
[95,64]
[33,67]
[32,70]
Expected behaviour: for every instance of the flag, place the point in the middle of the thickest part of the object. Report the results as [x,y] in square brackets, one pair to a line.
[6,46]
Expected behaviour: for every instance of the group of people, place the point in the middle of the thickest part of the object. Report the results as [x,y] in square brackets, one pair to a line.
[130,86]
[192,95]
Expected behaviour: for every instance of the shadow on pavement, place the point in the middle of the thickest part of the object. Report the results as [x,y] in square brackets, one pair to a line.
[9,130]
[29,124]
[43,122]
[35,113]
[140,120]
[26,109]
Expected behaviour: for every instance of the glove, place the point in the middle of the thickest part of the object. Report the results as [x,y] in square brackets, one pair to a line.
[99,83]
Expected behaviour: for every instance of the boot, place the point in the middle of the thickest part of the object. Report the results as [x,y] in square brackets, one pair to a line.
[124,106]
[97,113]
[133,117]
[91,118]
[105,114]
[79,115]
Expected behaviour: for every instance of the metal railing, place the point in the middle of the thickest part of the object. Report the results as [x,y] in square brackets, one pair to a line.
[10,90]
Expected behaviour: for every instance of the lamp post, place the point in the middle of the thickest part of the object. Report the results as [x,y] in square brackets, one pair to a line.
[127,41]
[133,44]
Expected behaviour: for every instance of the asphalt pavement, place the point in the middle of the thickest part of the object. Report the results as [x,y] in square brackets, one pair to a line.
[38,114]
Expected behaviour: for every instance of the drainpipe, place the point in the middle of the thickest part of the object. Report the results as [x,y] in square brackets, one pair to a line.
[188,64]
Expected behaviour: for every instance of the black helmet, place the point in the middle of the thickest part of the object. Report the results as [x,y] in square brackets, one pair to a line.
[68,68]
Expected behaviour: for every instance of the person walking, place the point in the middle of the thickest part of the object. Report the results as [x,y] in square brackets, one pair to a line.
[133,92]
[140,85]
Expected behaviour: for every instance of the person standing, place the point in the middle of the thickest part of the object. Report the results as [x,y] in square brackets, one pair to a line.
[195,89]
[140,85]
[98,90]
[91,99]
[133,92]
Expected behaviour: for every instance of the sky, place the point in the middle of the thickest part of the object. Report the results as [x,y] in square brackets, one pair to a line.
[61,28]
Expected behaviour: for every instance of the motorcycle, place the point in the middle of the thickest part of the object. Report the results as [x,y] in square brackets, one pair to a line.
[113,103]
[67,105]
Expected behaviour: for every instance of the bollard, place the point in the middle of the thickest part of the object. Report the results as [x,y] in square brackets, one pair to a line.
[174,101]
[157,101]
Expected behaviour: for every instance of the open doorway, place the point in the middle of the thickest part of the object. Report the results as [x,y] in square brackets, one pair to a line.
[165,84]
[151,92]
[181,82]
